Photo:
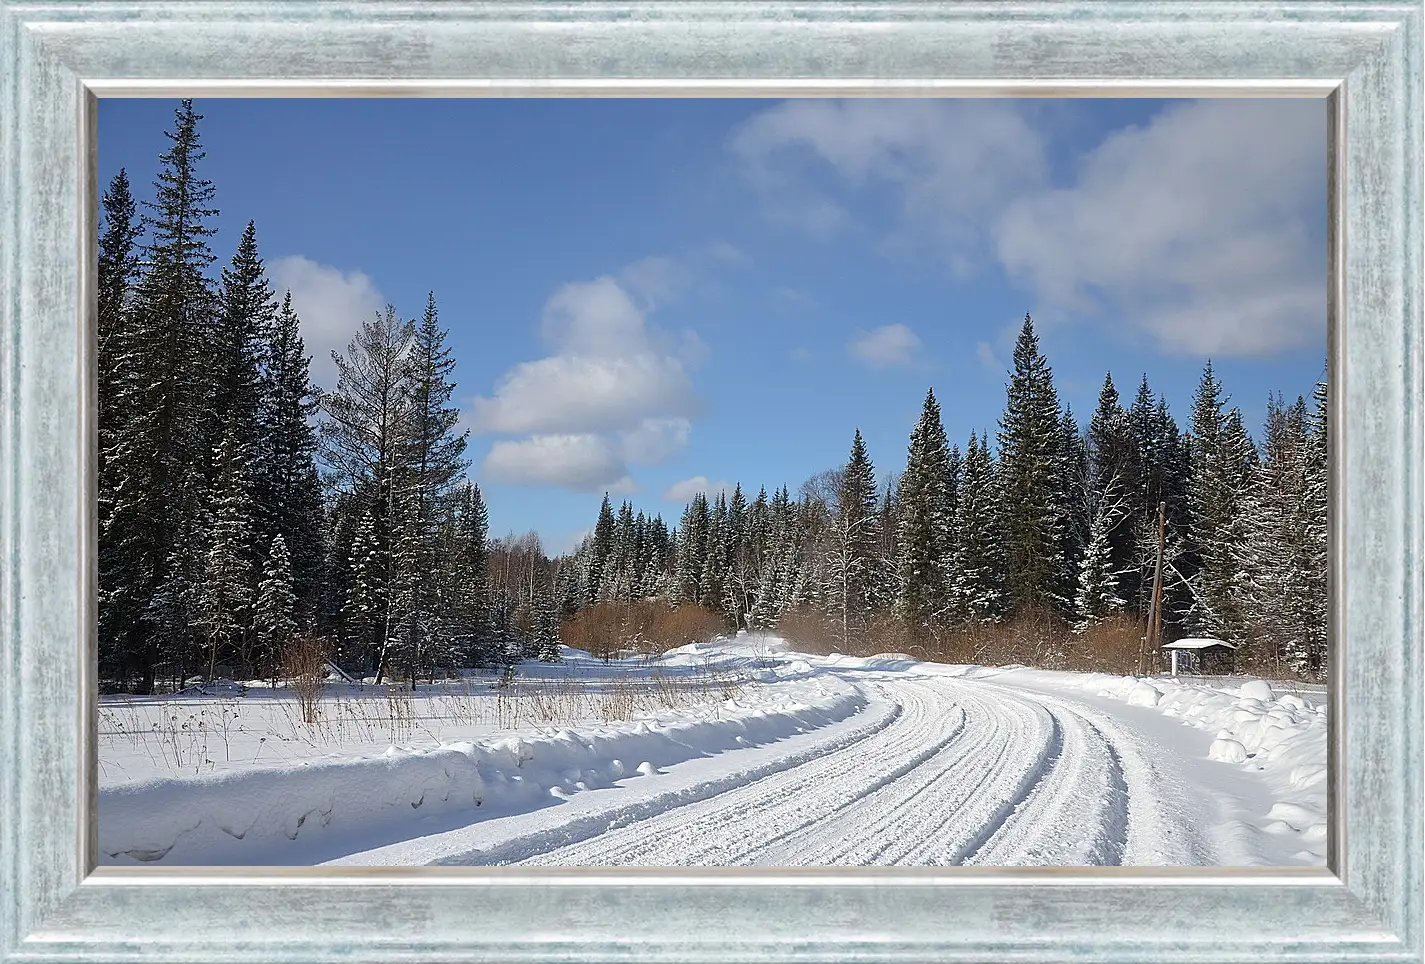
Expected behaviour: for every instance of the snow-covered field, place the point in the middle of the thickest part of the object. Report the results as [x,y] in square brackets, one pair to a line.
[731,753]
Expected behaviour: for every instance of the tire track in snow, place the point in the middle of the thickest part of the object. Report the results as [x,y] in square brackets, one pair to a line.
[1139,821]
[955,771]
[726,829]
[595,826]
[1074,814]
[953,794]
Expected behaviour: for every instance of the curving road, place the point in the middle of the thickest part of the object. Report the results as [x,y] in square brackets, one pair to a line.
[934,770]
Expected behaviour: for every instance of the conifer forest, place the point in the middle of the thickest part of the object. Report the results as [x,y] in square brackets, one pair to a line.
[247,518]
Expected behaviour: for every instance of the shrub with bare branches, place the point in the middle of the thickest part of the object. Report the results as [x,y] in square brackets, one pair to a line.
[645,626]
[304,663]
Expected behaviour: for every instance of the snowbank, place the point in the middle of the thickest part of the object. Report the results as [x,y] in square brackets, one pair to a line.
[1253,726]
[258,811]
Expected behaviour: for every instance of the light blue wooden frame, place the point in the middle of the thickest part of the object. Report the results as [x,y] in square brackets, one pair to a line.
[55,57]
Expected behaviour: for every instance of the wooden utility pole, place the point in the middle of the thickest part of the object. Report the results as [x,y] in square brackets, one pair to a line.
[1155,619]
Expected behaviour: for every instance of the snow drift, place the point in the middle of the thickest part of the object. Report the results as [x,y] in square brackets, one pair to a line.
[256,811]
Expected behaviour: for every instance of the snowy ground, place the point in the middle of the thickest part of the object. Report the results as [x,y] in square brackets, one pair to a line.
[739,752]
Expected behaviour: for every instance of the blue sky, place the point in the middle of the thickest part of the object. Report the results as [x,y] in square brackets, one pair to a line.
[652,296]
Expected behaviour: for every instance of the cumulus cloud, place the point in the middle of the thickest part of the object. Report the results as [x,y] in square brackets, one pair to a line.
[331,303]
[614,391]
[885,347]
[1204,227]
[683,491]
[577,393]
[952,161]
[655,439]
[587,463]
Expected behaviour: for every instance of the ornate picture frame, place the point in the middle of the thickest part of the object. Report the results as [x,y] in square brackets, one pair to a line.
[58,56]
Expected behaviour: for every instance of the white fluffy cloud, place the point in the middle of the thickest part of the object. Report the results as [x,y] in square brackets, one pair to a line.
[1201,229]
[953,162]
[587,463]
[885,347]
[331,303]
[579,393]
[613,391]
[683,491]
[654,440]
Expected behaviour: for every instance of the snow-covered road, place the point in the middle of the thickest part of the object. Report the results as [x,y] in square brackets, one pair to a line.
[938,767]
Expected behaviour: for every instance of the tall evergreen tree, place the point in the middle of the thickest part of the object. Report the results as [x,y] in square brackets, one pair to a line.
[926,520]
[1109,493]
[1316,537]
[246,314]
[978,586]
[274,622]
[228,580]
[693,531]
[154,492]
[118,275]
[1031,443]
[430,463]
[601,550]
[287,489]
[120,388]
[851,563]
[1220,476]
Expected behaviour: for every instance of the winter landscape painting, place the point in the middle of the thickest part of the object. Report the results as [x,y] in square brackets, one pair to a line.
[632,483]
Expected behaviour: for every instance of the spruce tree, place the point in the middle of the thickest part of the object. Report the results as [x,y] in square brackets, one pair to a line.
[546,625]
[692,549]
[977,590]
[118,275]
[1315,592]
[601,550]
[1112,480]
[274,622]
[926,519]
[712,580]
[154,493]
[228,577]
[1031,460]
[1222,463]
[120,370]
[851,563]
[429,465]
[287,488]
[246,314]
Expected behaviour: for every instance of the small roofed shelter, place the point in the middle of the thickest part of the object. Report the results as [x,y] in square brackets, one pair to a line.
[1202,656]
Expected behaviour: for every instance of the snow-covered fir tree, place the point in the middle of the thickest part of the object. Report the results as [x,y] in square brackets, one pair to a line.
[153,492]
[926,519]
[287,490]
[851,562]
[977,591]
[1031,462]
[274,616]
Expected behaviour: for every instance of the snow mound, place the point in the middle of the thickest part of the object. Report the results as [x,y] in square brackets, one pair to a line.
[1256,690]
[1284,736]
[1143,694]
[1227,751]
[240,814]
